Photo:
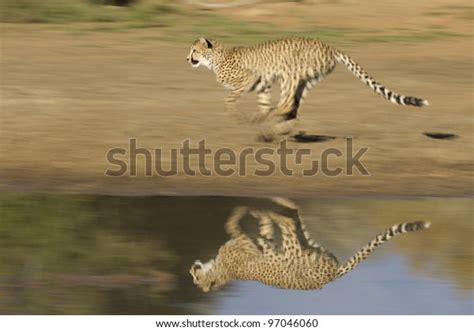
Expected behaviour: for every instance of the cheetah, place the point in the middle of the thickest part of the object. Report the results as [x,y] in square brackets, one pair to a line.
[282,254]
[297,64]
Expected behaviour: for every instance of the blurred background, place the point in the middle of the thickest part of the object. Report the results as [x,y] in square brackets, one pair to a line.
[79,77]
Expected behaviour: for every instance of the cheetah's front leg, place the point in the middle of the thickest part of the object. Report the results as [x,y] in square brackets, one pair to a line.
[231,100]
[266,238]
[264,105]
[239,86]
[232,225]
[231,105]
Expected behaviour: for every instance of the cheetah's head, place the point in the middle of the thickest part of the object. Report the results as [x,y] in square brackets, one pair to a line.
[202,52]
[205,275]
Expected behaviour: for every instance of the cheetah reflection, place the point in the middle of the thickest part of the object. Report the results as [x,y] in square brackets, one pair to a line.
[281,254]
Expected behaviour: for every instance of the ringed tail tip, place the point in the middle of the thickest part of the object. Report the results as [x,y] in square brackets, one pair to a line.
[418,225]
[403,100]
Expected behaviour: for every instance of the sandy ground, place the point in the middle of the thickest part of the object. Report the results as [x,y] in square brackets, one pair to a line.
[66,99]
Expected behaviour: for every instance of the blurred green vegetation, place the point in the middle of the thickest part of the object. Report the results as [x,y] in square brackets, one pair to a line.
[180,22]
[79,254]
[55,252]
[462,12]
[63,11]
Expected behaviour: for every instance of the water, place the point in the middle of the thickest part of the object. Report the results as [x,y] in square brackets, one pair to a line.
[73,254]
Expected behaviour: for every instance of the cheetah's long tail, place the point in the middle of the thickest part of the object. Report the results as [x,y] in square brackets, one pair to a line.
[378,240]
[378,88]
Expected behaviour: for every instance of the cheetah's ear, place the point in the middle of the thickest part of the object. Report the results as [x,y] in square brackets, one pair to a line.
[206,42]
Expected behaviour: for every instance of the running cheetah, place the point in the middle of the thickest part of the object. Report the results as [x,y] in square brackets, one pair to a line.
[297,64]
[282,254]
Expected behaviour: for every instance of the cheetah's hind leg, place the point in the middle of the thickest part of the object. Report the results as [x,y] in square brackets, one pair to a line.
[292,95]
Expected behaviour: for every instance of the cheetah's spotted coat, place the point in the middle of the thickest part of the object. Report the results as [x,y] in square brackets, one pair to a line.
[297,64]
[298,262]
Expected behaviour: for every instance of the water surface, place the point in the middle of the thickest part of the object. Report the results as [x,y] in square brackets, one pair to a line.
[75,254]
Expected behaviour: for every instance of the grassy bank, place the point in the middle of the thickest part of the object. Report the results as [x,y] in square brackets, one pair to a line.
[179,22]
[68,11]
